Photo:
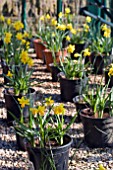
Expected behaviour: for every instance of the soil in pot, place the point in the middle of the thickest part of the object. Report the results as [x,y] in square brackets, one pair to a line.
[12,105]
[97,131]
[43,156]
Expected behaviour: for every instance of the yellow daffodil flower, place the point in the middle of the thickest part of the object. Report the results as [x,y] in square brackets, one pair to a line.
[8,21]
[53,22]
[61,27]
[27,44]
[86,27]
[18,25]
[101,167]
[41,110]
[48,16]
[110,73]
[9,74]
[107,33]
[24,57]
[34,111]
[7,38]
[67,10]
[70,48]
[49,101]
[69,26]
[79,29]
[19,36]
[60,15]
[23,41]
[42,18]
[103,27]
[59,110]
[30,62]
[23,101]
[68,38]
[73,31]
[88,19]
[26,34]
[76,55]
[86,52]
[2,18]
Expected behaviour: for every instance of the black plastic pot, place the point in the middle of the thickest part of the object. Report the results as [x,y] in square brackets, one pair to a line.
[54,72]
[79,106]
[98,132]
[21,142]
[5,69]
[99,62]
[71,88]
[12,104]
[16,69]
[42,156]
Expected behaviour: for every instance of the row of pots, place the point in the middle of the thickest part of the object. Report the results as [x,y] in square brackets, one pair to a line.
[37,155]
[46,55]
[97,131]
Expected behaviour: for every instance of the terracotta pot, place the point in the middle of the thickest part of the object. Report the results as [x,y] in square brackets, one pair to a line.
[49,58]
[39,47]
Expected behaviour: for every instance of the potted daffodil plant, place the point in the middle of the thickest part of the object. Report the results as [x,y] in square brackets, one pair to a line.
[73,76]
[97,117]
[17,67]
[101,48]
[46,134]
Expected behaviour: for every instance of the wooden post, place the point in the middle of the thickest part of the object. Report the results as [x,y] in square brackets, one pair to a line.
[24,14]
[59,7]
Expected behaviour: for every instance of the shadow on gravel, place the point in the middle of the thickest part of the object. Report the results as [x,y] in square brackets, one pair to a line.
[77,142]
[2,104]
[40,80]
[8,145]
[55,97]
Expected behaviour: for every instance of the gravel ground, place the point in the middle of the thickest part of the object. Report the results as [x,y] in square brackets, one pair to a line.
[81,157]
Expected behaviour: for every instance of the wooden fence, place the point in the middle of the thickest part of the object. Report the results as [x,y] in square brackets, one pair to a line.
[36,7]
